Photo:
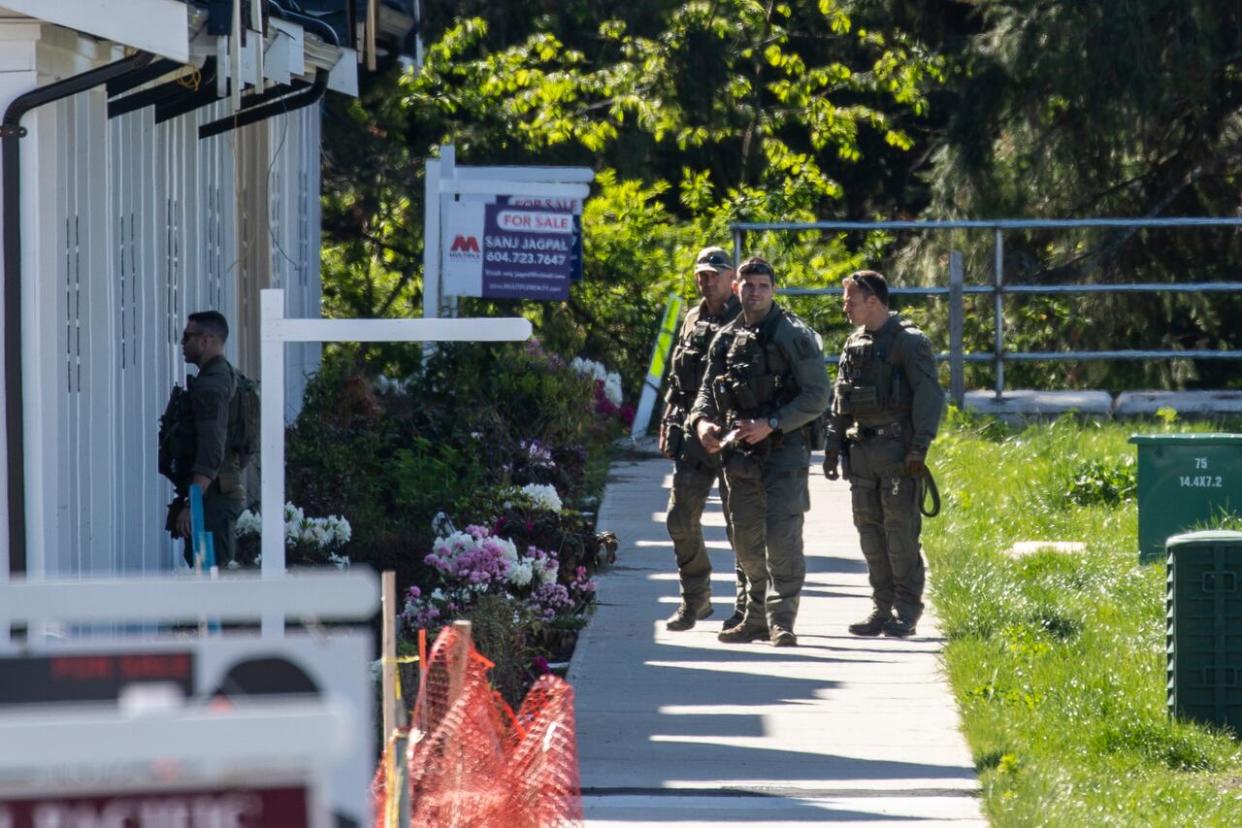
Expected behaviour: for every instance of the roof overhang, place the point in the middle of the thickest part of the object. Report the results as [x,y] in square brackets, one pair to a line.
[161,27]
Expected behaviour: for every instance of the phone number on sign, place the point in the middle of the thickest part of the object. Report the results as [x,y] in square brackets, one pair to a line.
[517,257]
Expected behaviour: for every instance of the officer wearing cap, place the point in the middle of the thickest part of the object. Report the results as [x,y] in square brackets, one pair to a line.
[887,403]
[695,470]
[764,387]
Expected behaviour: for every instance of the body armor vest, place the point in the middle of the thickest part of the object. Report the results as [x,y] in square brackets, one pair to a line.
[690,357]
[869,388]
[757,379]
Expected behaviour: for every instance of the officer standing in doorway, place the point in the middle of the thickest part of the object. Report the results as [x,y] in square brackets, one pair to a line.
[696,470]
[194,437]
[764,388]
[887,404]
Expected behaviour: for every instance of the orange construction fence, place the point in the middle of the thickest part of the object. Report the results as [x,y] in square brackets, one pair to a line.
[471,761]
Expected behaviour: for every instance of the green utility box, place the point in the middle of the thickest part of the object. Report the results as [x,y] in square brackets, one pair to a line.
[1184,479]
[1204,627]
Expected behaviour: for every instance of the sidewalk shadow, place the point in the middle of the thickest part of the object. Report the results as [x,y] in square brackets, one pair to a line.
[680,716]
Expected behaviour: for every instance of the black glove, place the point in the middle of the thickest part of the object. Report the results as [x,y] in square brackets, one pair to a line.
[831,458]
[914,464]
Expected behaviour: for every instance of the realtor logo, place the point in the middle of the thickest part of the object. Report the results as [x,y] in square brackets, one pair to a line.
[465,247]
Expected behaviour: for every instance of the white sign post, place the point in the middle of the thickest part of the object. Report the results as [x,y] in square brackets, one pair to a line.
[274,331]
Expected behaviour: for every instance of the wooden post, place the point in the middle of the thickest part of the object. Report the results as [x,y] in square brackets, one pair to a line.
[388,662]
[369,36]
[461,654]
[957,318]
[388,683]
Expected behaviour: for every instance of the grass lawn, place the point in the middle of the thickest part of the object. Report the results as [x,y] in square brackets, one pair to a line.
[1058,659]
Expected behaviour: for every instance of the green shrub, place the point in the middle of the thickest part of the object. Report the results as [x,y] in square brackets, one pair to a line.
[1106,482]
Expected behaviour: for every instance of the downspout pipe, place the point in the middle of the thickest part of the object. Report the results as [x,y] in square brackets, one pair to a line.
[11,133]
[289,103]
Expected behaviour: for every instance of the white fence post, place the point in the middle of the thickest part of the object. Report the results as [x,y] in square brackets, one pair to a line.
[272,445]
[274,331]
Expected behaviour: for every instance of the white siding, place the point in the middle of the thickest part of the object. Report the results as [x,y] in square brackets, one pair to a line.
[145,231]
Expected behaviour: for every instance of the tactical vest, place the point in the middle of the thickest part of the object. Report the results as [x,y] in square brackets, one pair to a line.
[178,437]
[690,357]
[758,378]
[869,388]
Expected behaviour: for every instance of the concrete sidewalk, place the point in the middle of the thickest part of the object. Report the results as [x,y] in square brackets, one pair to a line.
[679,729]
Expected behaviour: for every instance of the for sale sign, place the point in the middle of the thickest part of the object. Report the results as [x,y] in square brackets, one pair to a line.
[508,251]
[573,205]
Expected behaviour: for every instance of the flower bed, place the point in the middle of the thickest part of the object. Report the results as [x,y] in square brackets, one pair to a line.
[510,442]
[308,541]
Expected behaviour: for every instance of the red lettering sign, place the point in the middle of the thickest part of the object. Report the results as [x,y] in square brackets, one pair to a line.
[465,244]
[250,807]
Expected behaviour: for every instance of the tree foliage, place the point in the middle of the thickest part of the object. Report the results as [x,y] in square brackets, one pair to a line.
[1116,108]
[698,114]
[694,114]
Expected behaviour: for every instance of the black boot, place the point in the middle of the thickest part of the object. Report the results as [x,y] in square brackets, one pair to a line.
[739,612]
[874,623]
[781,637]
[742,633]
[900,627]
[686,617]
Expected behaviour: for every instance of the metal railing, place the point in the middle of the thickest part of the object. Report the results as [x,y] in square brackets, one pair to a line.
[958,289]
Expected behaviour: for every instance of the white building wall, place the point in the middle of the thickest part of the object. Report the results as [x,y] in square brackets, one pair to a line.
[138,225]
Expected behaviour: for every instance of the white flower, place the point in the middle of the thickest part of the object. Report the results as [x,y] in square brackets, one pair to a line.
[441,526]
[543,495]
[612,388]
[339,529]
[385,384]
[323,533]
[547,571]
[521,574]
[588,368]
[248,523]
[339,561]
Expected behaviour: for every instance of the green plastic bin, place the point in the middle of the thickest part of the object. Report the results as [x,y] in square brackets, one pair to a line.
[1184,479]
[1204,627]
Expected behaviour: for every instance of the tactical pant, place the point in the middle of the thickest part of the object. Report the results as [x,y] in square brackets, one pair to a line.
[886,513]
[692,483]
[220,512]
[766,506]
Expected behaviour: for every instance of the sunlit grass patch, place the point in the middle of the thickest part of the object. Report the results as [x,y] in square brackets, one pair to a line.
[1058,658]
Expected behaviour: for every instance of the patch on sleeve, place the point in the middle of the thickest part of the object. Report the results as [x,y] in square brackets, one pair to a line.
[804,344]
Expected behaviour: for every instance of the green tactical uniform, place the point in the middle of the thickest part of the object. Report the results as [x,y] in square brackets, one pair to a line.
[211,392]
[887,401]
[772,369]
[695,470]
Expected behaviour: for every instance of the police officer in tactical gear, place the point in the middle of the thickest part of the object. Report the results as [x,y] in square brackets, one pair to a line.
[887,404]
[696,470]
[198,434]
[764,387]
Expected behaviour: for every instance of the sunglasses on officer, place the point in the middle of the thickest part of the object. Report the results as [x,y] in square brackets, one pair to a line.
[715,260]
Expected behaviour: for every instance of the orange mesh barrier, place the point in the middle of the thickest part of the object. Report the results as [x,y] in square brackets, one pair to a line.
[472,762]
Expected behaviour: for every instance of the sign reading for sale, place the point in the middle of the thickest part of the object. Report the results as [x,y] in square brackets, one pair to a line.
[504,251]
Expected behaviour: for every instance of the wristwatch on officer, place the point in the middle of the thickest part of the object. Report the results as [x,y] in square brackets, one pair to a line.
[774,423]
